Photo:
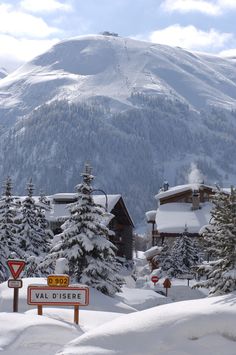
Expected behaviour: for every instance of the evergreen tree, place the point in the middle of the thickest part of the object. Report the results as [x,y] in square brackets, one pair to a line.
[220,240]
[84,243]
[165,259]
[34,240]
[9,241]
[185,253]
[42,206]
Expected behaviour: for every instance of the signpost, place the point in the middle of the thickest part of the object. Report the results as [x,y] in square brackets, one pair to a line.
[167,284]
[58,296]
[16,267]
[187,277]
[154,279]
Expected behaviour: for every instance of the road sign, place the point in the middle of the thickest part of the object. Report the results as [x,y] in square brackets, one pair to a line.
[154,279]
[58,280]
[16,267]
[55,296]
[167,284]
[12,283]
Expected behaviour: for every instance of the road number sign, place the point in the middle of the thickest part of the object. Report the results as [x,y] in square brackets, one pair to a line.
[16,267]
[58,280]
[12,283]
[55,296]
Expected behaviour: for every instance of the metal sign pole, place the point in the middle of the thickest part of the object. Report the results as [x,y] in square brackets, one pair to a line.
[15,300]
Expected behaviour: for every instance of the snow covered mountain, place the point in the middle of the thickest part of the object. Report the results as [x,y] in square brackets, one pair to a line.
[139,112]
[115,68]
[3,73]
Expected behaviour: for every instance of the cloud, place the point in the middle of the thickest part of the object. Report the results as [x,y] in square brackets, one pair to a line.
[14,52]
[213,8]
[40,6]
[191,38]
[18,23]
[185,6]
[228,53]
[227,4]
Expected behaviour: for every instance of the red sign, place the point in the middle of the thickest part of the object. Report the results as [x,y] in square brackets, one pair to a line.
[154,279]
[16,267]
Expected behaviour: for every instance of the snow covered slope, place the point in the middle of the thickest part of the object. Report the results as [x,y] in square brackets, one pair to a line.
[196,327]
[114,68]
[3,73]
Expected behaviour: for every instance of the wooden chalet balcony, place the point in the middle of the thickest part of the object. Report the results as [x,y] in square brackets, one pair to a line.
[155,233]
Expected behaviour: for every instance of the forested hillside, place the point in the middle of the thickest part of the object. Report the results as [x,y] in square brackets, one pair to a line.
[132,152]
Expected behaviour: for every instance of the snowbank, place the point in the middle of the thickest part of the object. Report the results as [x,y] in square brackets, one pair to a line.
[206,326]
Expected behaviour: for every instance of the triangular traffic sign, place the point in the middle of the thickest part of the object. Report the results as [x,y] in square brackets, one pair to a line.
[16,266]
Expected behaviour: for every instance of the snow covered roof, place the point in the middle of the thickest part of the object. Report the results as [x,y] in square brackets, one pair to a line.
[60,210]
[64,196]
[152,252]
[181,188]
[172,217]
[111,201]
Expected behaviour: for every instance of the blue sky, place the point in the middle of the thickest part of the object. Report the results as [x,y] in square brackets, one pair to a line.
[30,27]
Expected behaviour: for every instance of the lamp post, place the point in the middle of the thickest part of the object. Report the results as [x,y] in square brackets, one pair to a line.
[106,198]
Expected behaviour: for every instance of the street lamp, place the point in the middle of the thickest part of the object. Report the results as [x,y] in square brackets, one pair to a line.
[106,198]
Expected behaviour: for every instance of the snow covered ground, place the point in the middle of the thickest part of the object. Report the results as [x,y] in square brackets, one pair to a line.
[205,327]
[26,333]
[136,321]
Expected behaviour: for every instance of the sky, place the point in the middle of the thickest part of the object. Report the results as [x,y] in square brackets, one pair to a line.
[30,27]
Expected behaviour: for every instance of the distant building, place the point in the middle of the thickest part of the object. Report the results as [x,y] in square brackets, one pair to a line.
[180,206]
[118,219]
[108,33]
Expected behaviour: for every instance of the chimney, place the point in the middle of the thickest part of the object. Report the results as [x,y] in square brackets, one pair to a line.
[195,200]
[165,186]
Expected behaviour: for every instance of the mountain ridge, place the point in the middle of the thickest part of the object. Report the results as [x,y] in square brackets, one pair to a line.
[115,67]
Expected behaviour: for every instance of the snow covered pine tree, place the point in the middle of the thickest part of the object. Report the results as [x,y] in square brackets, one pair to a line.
[9,240]
[35,239]
[184,253]
[84,243]
[221,245]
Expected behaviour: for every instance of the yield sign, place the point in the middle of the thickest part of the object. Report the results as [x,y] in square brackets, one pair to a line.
[16,266]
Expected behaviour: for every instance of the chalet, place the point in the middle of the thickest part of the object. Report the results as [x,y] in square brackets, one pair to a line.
[117,219]
[180,206]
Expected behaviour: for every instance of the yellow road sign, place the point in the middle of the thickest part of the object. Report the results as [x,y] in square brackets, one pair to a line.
[58,280]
